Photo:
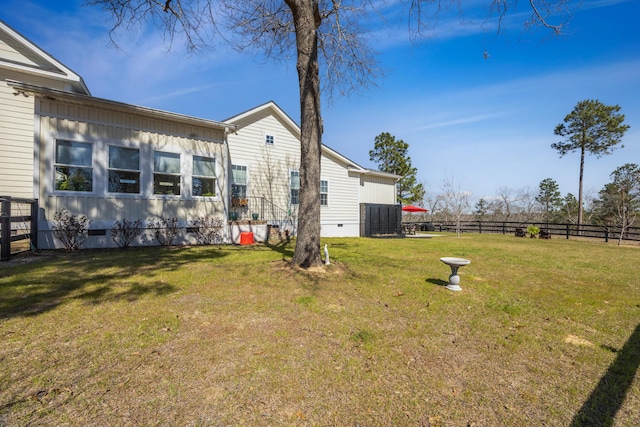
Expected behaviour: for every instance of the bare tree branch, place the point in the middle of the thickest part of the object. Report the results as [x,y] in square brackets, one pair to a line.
[194,20]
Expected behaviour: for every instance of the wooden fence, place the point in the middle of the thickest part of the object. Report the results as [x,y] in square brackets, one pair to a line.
[18,221]
[605,233]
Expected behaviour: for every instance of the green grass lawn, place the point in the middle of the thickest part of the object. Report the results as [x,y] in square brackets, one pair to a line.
[544,332]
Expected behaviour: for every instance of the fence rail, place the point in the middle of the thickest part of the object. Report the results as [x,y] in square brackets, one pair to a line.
[18,221]
[603,232]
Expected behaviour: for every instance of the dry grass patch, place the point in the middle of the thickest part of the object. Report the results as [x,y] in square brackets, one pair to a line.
[235,336]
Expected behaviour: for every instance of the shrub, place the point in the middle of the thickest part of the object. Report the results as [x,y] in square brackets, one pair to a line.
[208,230]
[124,232]
[71,230]
[533,231]
[165,230]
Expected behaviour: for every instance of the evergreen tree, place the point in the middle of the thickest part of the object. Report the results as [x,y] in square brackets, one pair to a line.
[481,209]
[549,198]
[392,156]
[591,127]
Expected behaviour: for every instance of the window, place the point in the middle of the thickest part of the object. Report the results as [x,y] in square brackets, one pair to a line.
[166,173]
[295,187]
[124,170]
[269,139]
[239,184]
[324,193]
[204,176]
[73,166]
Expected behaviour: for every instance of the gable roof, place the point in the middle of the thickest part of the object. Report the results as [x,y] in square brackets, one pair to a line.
[273,108]
[20,54]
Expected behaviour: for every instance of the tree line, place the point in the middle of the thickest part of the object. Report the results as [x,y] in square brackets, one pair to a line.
[616,207]
[591,128]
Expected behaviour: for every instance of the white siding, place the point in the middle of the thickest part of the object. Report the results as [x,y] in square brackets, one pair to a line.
[341,218]
[377,189]
[268,166]
[16,140]
[9,49]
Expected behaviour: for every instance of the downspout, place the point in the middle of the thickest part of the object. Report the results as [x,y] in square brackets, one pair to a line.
[224,194]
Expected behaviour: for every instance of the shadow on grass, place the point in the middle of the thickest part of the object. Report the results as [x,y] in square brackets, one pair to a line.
[281,248]
[607,398]
[437,282]
[92,276]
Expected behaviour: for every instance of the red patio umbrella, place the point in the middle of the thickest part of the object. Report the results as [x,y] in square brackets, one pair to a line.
[414,209]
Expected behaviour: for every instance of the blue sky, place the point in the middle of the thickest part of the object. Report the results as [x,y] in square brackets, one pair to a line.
[484,122]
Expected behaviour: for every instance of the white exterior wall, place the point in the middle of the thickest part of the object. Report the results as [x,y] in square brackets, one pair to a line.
[377,189]
[341,217]
[22,63]
[268,166]
[104,127]
[16,140]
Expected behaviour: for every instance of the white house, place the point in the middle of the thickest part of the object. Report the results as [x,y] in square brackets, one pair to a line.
[265,156]
[110,160]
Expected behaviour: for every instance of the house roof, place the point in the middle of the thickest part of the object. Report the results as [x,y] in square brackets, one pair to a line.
[30,89]
[24,56]
[274,109]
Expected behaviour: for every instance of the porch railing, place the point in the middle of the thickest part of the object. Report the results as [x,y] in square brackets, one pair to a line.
[264,210]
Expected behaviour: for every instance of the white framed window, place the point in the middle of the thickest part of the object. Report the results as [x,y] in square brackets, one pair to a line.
[203,179]
[73,167]
[124,170]
[239,181]
[324,193]
[269,139]
[295,188]
[166,173]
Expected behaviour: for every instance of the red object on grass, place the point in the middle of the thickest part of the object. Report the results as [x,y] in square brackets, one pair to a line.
[246,238]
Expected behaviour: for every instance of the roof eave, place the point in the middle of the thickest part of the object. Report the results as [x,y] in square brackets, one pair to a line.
[29,89]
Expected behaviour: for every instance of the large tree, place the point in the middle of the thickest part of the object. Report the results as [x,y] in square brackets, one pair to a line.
[323,35]
[592,127]
[392,156]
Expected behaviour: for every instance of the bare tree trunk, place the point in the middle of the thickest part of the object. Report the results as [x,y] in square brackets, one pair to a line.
[306,18]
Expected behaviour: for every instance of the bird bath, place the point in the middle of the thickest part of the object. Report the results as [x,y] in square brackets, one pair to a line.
[454,279]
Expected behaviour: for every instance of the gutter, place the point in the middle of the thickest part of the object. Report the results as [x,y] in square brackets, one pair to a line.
[27,89]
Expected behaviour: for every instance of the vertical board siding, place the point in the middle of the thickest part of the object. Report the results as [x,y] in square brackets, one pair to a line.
[64,120]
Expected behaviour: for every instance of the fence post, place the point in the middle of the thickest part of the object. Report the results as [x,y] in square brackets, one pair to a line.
[479,227]
[567,231]
[33,226]
[606,235]
[503,228]
[5,226]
